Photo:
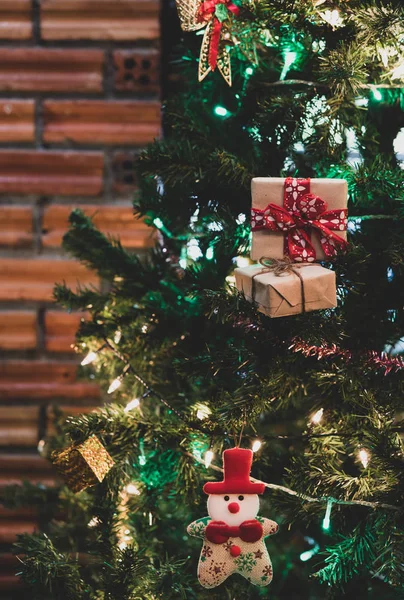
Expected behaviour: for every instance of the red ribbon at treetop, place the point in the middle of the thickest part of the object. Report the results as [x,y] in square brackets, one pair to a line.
[302,211]
[205,13]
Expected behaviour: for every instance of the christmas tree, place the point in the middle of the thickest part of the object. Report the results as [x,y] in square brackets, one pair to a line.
[193,368]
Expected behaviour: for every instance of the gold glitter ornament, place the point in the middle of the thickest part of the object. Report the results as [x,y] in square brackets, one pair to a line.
[83,465]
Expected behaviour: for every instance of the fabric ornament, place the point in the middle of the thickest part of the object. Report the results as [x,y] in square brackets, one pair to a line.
[301,214]
[216,16]
[233,534]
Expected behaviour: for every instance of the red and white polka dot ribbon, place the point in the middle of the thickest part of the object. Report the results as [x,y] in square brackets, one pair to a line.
[301,213]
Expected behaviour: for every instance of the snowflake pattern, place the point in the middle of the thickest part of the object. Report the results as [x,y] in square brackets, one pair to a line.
[246,562]
[206,553]
[197,529]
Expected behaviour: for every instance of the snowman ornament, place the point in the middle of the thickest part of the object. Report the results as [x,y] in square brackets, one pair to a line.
[233,534]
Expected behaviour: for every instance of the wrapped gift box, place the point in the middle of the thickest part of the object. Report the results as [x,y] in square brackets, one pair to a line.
[83,465]
[281,295]
[271,231]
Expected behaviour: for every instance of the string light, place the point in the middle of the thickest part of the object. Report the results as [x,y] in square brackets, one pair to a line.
[132,490]
[242,261]
[289,57]
[364,457]
[114,385]
[308,554]
[87,360]
[208,458]
[327,517]
[316,418]
[117,336]
[210,253]
[157,222]
[221,111]
[377,95]
[150,519]
[256,445]
[135,403]
[332,17]
[203,412]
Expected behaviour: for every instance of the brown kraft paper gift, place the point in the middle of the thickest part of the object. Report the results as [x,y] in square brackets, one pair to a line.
[281,295]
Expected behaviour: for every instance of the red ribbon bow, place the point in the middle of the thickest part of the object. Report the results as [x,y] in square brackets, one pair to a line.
[303,211]
[206,13]
[218,532]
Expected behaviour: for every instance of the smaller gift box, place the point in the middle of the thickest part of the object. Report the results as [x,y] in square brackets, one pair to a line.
[302,288]
[83,465]
[304,219]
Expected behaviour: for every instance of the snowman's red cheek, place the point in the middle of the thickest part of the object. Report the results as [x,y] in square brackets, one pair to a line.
[233,507]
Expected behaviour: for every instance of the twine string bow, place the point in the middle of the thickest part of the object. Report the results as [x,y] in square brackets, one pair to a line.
[280,267]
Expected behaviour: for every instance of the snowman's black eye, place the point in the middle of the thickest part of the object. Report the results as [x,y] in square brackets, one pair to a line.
[241,498]
[227,498]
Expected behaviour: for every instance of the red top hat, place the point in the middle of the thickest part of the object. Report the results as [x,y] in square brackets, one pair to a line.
[237,466]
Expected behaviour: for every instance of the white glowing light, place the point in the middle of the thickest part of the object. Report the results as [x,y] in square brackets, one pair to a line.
[132,404]
[122,545]
[91,356]
[144,328]
[398,72]
[94,522]
[41,446]
[150,519]
[256,445]
[133,490]
[242,261]
[231,280]
[114,385]
[316,418]
[117,336]
[210,253]
[364,457]
[208,458]
[332,17]
[241,219]
[203,412]
[193,250]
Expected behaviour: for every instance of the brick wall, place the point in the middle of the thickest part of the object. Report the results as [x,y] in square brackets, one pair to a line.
[79,97]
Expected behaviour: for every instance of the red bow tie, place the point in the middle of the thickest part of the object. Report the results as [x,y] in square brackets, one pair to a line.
[218,532]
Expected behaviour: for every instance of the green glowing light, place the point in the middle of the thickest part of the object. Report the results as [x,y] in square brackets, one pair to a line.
[158,223]
[209,253]
[289,57]
[305,556]
[221,111]
[249,71]
[377,95]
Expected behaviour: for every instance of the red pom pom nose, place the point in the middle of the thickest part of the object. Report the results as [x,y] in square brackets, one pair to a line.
[233,507]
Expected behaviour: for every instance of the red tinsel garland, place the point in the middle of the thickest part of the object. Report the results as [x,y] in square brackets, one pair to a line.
[372,359]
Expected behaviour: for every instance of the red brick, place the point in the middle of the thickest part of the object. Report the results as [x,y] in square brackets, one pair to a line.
[17,121]
[15,19]
[117,221]
[61,173]
[103,20]
[15,225]
[19,428]
[123,172]
[60,330]
[38,381]
[24,279]
[18,330]
[137,71]
[101,122]
[51,70]
[10,529]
